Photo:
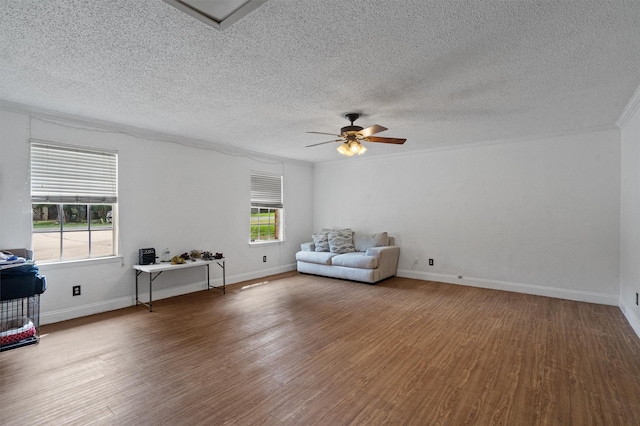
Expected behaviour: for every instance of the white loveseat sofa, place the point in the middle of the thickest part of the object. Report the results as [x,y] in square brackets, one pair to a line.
[367,257]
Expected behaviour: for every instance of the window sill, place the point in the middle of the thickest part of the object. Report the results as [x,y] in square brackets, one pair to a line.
[75,263]
[265,243]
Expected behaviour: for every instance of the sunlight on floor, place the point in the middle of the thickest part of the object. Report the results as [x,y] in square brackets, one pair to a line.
[246,287]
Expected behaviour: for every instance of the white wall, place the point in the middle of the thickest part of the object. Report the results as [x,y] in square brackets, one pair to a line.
[542,216]
[170,195]
[15,207]
[539,216]
[630,215]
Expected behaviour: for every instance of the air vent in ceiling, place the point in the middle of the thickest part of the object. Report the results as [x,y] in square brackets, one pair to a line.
[219,14]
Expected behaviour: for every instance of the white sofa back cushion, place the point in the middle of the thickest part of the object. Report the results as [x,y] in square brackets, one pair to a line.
[363,242]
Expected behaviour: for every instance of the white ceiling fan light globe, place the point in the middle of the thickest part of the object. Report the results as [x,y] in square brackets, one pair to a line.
[344,150]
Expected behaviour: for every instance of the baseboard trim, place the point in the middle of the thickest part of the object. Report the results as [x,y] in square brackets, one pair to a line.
[85,310]
[560,293]
[123,302]
[538,290]
[634,321]
[263,273]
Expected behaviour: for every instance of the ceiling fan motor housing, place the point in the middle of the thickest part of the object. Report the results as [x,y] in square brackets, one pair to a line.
[350,129]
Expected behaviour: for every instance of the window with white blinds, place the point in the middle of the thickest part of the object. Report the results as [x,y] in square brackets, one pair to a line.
[266,208]
[74,194]
[61,174]
[266,190]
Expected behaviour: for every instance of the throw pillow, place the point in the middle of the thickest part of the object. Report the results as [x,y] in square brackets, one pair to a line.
[341,241]
[321,241]
[362,242]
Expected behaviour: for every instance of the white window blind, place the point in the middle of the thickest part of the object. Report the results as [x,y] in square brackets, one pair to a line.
[266,190]
[61,174]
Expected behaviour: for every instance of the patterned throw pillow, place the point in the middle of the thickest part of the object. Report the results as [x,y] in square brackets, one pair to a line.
[321,241]
[341,241]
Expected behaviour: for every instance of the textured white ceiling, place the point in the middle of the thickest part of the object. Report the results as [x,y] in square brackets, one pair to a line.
[439,73]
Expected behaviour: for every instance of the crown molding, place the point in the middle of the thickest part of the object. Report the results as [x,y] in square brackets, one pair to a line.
[47,114]
[629,110]
[478,144]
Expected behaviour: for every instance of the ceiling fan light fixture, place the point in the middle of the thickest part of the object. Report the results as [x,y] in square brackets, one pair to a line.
[356,147]
[351,148]
[344,150]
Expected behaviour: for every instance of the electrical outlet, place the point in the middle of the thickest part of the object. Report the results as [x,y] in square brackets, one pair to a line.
[264,258]
[430,262]
[76,290]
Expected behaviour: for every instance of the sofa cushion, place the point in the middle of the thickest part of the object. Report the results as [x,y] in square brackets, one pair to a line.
[363,242]
[321,241]
[355,260]
[341,241]
[321,257]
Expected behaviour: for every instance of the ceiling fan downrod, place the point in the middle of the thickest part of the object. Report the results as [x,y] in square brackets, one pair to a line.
[352,116]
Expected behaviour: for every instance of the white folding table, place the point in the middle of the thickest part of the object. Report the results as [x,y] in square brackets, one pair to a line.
[159,268]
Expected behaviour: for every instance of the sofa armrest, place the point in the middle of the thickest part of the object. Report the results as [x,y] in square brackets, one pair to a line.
[308,247]
[383,251]
[387,259]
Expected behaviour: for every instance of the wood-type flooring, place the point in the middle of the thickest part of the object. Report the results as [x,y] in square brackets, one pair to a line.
[303,350]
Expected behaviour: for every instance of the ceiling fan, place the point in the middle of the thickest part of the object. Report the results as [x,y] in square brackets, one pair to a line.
[353,136]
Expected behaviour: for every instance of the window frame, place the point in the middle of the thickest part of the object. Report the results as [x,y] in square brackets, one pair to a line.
[69,177]
[267,193]
[63,227]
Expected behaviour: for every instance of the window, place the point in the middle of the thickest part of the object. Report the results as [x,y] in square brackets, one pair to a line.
[73,200]
[266,207]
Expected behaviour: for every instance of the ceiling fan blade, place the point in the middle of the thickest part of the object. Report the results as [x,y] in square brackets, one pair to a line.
[372,130]
[322,133]
[385,140]
[322,143]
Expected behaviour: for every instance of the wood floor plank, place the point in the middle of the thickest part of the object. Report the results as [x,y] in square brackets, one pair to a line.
[296,349]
